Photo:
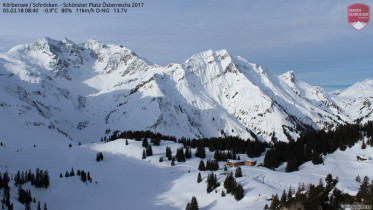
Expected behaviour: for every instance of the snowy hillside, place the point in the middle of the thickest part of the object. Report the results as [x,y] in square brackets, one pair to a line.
[124,181]
[359,100]
[80,90]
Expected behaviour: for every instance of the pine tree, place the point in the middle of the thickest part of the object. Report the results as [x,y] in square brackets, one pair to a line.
[275,203]
[316,158]
[188,152]
[99,157]
[222,193]
[363,193]
[212,182]
[161,159]
[45,206]
[290,194]
[149,151]
[89,177]
[201,166]
[187,206]
[168,153]
[46,178]
[239,192]
[126,141]
[83,176]
[283,198]
[39,207]
[230,183]
[145,143]
[292,164]
[358,179]
[173,161]
[72,173]
[180,156]
[194,204]
[199,178]
[143,154]
[238,172]
[200,152]
[61,175]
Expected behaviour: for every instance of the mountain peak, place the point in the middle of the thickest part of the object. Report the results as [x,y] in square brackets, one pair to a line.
[289,76]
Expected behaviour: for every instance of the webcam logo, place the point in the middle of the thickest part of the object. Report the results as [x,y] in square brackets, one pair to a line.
[358,15]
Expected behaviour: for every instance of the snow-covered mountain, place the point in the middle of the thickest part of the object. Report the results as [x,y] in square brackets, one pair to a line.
[80,90]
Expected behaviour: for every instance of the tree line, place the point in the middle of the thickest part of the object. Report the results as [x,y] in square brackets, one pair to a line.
[312,144]
[322,196]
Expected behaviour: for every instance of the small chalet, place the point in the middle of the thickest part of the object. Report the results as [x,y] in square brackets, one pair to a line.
[235,163]
[250,162]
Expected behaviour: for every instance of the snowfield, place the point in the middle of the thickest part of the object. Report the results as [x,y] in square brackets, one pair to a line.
[124,181]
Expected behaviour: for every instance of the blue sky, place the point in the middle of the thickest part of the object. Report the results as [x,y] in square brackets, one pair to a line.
[311,37]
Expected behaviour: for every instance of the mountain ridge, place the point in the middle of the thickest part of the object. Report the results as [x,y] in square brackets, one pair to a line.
[80,90]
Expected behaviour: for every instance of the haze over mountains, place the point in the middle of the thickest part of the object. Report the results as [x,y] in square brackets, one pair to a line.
[80,90]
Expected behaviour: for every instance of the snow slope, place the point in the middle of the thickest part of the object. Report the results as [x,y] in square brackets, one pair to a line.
[125,181]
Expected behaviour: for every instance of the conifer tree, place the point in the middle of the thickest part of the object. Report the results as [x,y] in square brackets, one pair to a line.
[149,151]
[72,173]
[199,178]
[46,179]
[275,203]
[126,141]
[363,193]
[238,172]
[201,166]
[143,154]
[180,157]
[161,159]
[283,198]
[168,153]
[187,206]
[173,161]
[358,179]
[316,158]
[222,193]
[194,204]
[188,152]
[230,183]
[89,177]
[39,207]
[290,194]
[200,152]
[212,182]
[239,192]
[145,143]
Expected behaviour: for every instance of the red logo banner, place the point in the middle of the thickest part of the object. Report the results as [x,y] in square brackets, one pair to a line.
[358,15]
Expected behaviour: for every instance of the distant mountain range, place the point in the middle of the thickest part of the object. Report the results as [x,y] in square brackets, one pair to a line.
[81,90]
